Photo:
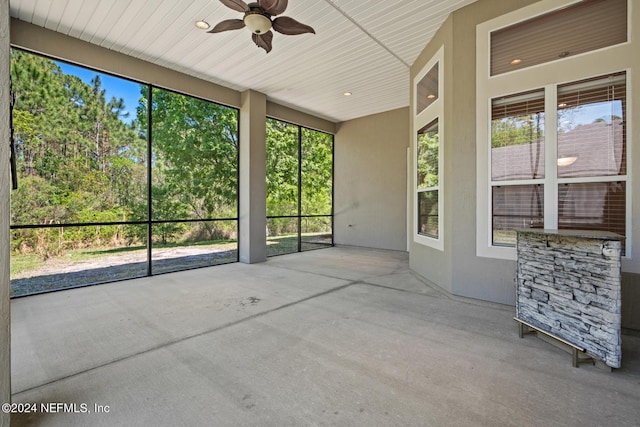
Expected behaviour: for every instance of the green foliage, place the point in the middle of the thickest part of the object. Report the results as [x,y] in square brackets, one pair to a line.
[80,161]
[195,170]
[317,172]
[284,146]
[282,170]
[428,147]
[71,147]
[517,130]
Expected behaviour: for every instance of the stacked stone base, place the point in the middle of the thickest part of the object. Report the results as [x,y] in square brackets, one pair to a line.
[568,284]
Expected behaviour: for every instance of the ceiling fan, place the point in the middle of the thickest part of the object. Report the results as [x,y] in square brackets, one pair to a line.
[257,17]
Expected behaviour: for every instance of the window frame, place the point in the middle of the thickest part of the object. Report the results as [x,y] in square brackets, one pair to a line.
[299,216]
[548,76]
[433,112]
[148,222]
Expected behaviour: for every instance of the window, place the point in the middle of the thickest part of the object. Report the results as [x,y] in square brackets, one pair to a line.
[427,154]
[299,188]
[592,154]
[117,179]
[428,176]
[194,184]
[588,180]
[553,144]
[517,164]
[427,91]
[582,27]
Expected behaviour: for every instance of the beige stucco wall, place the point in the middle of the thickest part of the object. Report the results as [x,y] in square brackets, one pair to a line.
[483,278]
[287,114]
[5,312]
[458,268]
[371,181]
[432,264]
[253,188]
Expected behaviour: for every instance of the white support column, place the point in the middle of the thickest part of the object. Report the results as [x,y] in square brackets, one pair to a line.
[253,186]
[5,185]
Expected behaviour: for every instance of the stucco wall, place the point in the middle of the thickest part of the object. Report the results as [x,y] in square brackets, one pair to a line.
[432,264]
[370,181]
[458,269]
[631,301]
[253,196]
[476,277]
[5,313]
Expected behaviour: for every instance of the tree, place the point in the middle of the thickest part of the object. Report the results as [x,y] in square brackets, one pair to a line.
[317,172]
[295,153]
[78,161]
[195,158]
[282,168]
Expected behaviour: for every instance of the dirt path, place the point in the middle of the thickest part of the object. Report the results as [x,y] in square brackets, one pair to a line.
[59,273]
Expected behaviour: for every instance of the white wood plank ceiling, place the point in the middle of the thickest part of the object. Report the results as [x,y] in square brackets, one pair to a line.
[361,46]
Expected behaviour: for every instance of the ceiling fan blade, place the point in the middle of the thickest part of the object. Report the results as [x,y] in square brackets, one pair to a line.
[238,5]
[290,26]
[229,24]
[263,40]
[273,7]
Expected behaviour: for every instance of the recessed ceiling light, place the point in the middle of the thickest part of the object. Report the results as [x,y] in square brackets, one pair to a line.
[516,61]
[203,25]
[567,161]
[562,104]
[431,96]
[347,94]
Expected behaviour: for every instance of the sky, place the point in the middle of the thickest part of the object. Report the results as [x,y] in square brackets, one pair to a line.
[115,87]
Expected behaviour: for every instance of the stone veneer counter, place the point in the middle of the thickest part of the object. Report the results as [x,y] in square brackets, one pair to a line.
[568,284]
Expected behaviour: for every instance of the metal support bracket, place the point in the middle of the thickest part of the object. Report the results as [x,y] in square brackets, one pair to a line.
[525,328]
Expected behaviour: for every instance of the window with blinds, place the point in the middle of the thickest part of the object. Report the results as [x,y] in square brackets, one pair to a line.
[516,206]
[517,164]
[591,127]
[517,136]
[582,27]
[592,154]
[593,206]
[590,165]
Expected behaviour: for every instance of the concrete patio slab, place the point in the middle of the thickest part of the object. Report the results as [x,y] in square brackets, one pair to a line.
[341,336]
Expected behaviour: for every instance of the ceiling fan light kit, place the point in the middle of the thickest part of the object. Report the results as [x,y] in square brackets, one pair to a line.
[257,22]
[257,18]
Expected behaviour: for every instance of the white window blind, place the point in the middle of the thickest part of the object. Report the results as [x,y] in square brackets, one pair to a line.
[582,27]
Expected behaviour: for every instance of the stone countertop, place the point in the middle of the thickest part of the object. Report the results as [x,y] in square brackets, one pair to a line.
[585,234]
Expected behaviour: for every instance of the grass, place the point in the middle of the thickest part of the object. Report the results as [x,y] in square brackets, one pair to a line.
[24,263]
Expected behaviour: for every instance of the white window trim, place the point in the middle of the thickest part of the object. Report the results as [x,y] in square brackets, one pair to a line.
[548,76]
[435,111]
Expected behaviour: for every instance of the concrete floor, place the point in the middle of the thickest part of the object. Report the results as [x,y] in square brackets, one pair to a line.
[341,336]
